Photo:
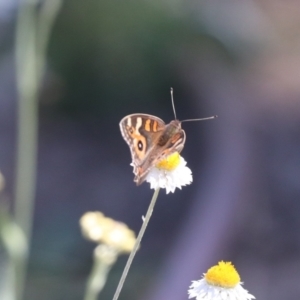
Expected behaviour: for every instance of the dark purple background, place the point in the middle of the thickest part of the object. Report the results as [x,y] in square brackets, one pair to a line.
[239,60]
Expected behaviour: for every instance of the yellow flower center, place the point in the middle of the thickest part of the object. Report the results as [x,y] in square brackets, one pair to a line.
[169,163]
[223,274]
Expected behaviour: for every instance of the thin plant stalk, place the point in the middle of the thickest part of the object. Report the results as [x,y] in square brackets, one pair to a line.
[30,62]
[27,132]
[104,258]
[98,276]
[137,244]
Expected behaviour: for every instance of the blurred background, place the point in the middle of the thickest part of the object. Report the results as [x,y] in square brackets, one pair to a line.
[106,59]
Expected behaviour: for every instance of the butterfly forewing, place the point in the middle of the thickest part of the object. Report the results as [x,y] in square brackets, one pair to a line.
[139,130]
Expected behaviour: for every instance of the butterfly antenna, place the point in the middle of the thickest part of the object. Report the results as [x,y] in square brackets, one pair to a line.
[172,99]
[202,119]
[188,120]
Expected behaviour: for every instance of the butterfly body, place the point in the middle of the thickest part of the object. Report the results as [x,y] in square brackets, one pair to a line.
[150,140]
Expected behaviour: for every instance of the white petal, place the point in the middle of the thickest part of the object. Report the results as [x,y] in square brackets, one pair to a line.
[201,290]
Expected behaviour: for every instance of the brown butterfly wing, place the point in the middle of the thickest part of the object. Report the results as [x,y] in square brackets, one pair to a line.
[140,131]
[164,144]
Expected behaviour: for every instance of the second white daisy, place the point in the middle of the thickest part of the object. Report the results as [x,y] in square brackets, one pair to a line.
[221,282]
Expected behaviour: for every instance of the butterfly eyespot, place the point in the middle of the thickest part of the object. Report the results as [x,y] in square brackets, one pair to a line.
[140,145]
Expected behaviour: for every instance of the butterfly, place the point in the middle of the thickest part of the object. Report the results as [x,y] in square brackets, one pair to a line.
[150,140]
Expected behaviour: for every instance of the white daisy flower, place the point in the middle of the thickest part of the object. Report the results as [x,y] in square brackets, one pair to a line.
[170,173]
[221,282]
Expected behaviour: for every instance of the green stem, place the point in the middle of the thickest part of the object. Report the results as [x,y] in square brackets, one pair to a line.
[27,131]
[104,258]
[137,244]
[30,62]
